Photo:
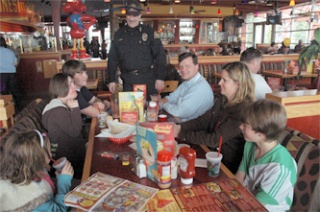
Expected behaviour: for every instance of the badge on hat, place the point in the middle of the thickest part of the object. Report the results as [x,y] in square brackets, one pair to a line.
[144,36]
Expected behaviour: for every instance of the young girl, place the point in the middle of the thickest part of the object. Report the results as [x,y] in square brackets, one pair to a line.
[62,119]
[24,182]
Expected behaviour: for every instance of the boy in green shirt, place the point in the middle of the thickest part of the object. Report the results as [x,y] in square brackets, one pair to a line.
[267,169]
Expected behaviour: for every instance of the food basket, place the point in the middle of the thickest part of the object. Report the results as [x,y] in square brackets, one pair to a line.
[120,140]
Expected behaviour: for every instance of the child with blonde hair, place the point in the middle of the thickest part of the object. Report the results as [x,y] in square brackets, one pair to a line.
[24,180]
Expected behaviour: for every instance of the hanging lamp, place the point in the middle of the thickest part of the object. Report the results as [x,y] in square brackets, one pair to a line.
[292,3]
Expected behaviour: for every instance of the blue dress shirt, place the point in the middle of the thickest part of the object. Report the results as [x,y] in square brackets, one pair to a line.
[191,99]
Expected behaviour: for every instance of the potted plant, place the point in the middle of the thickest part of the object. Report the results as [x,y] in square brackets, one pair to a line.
[311,53]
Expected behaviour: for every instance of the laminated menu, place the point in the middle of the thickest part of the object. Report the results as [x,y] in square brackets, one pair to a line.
[224,195]
[131,108]
[152,137]
[103,192]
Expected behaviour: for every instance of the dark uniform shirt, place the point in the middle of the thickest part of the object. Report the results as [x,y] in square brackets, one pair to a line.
[136,49]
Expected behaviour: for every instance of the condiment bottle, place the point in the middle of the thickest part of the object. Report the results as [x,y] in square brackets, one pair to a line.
[152,112]
[187,157]
[141,169]
[164,169]
[174,168]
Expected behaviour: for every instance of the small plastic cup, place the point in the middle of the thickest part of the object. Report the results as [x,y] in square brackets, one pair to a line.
[102,119]
[213,163]
[60,164]
[162,117]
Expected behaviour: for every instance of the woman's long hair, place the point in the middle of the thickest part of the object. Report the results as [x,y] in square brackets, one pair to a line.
[240,73]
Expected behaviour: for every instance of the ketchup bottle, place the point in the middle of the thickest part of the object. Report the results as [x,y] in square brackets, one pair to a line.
[187,157]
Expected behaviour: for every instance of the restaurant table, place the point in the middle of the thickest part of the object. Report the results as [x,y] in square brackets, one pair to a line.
[95,163]
[285,76]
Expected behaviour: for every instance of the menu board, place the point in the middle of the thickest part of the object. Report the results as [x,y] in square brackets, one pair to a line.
[103,192]
[224,195]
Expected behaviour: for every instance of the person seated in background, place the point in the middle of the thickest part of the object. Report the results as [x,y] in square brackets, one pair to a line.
[184,49]
[299,47]
[171,71]
[224,49]
[224,118]
[272,49]
[24,180]
[62,120]
[284,49]
[209,52]
[252,58]
[89,104]
[194,96]
[267,169]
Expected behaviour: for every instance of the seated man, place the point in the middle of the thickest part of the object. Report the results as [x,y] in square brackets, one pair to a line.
[252,58]
[194,96]
[89,104]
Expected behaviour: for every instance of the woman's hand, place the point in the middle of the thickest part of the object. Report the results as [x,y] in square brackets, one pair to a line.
[67,169]
[72,103]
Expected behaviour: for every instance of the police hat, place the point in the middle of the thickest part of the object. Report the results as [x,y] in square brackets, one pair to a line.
[133,8]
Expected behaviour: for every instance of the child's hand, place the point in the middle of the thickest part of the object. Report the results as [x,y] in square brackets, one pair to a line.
[67,169]
[100,105]
[107,104]
[72,103]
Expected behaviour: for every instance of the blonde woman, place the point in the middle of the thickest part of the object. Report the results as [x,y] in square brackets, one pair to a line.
[224,118]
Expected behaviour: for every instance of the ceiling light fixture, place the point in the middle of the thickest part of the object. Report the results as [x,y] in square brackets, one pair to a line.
[292,3]
[219,12]
[236,12]
[142,0]
[106,0]
[177,1]
[148,10]
[171,10]
[214,2]
[191,10]
[269,3]
[256,13]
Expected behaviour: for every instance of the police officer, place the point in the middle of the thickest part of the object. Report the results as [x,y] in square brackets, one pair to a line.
[138,54]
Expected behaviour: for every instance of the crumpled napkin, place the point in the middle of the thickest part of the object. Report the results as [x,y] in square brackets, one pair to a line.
[131,130]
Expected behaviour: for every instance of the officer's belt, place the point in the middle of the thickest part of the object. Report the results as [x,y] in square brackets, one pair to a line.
[137,71]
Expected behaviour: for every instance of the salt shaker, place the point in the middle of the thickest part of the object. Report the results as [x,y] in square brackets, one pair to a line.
[141,169]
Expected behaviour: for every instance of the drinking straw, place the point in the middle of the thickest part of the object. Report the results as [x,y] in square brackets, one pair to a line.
[54,161]
[112,105]
[220,144]
[99,108]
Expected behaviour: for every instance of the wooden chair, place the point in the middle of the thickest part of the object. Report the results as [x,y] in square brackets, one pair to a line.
[170,86]
[6,110]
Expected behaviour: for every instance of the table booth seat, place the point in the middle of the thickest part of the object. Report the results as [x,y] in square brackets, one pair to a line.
[305,150]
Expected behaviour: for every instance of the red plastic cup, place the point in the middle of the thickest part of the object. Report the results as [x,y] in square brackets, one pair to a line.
[162,117]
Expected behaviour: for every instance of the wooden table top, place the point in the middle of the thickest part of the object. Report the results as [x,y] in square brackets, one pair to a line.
[281,74]
[95,163]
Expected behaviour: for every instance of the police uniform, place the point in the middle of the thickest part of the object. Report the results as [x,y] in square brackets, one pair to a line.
[140,57]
